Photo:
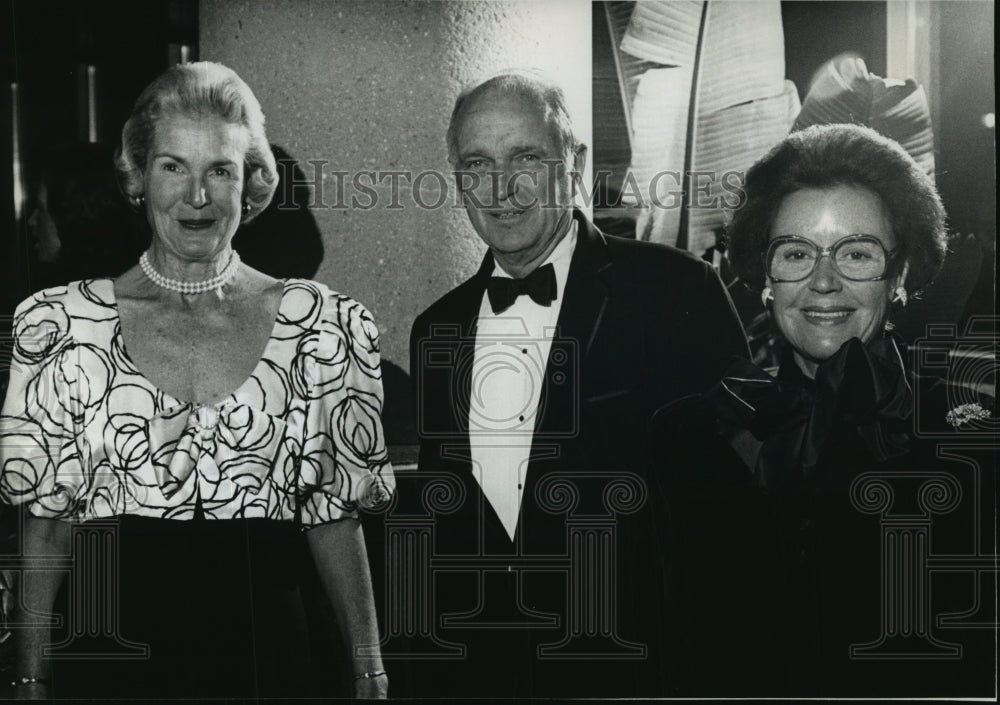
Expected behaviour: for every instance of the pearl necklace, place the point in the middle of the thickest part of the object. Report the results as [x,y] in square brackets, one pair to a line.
[183,287]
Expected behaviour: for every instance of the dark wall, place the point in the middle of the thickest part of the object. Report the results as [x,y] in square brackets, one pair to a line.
[965,160]
[127,41]
[8,268]
[818,31]
[49,42]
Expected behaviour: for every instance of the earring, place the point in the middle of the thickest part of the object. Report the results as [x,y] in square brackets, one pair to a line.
[139,201]
[246,208]
[899,295]
[766,295]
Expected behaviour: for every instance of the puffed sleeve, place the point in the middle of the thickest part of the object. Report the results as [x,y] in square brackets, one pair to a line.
[344,459]
[39,462]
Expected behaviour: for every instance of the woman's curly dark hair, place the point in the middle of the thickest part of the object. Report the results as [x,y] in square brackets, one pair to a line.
[832,155]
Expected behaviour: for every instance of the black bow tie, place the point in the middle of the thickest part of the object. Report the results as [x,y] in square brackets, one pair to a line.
[540,285]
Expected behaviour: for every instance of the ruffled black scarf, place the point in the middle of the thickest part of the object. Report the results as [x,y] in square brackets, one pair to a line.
[780,425]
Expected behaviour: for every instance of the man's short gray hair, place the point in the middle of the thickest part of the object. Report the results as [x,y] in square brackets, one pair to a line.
[535,88]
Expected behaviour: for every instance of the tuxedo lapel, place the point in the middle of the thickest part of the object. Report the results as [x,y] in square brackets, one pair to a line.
[586,298]
[586,286]
[463,321]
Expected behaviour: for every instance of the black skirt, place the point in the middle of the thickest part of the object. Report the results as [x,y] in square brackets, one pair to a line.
[158,608]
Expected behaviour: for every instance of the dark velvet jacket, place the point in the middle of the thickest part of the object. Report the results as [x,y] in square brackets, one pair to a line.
[823,533]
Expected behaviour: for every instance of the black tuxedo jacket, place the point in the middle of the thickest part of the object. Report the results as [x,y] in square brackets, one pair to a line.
[640,325]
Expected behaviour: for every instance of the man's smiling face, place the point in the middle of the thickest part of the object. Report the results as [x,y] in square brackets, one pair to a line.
[517,186]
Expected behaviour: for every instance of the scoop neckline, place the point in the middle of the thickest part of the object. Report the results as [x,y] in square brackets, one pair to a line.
[134,369]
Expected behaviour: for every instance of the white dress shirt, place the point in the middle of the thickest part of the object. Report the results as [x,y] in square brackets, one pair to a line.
[512,349]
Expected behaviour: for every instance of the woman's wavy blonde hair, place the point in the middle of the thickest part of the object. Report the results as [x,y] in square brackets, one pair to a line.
[194,90]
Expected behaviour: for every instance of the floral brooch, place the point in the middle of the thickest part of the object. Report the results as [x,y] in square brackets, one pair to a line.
[964,413]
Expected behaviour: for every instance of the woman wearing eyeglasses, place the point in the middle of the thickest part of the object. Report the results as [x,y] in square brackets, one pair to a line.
[775,478]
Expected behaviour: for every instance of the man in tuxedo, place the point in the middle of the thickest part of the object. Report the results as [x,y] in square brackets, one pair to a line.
[535,382]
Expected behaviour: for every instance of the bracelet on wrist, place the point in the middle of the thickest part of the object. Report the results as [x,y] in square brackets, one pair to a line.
[25,680]
[367,675]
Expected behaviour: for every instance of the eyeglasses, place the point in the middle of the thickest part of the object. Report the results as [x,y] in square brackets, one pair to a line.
[860,258]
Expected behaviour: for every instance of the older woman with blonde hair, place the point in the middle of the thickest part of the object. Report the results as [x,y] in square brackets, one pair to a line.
[222,420]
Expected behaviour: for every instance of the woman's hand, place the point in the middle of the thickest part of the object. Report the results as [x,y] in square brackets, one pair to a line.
[375,688]
[338,549]
[6,600]
[31,691]
[43,538]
